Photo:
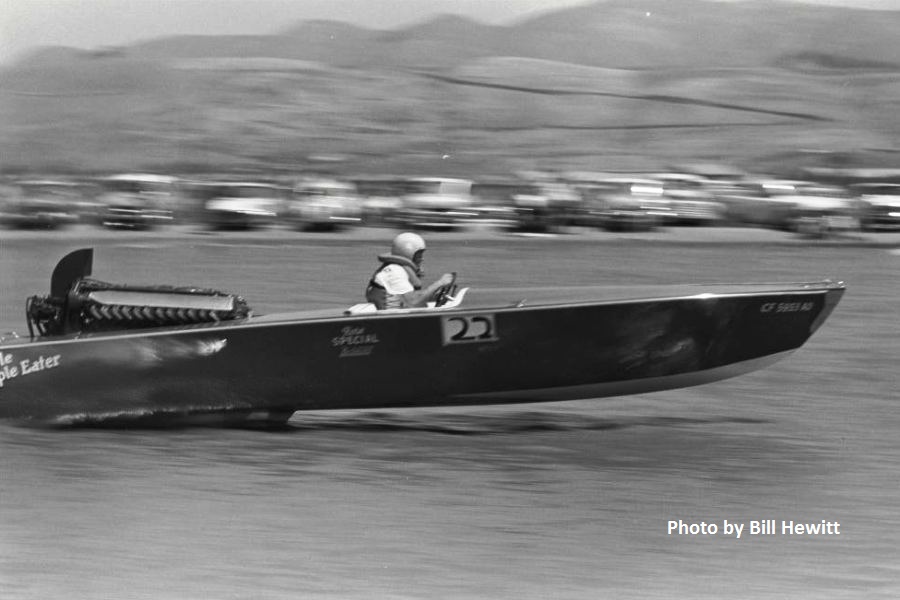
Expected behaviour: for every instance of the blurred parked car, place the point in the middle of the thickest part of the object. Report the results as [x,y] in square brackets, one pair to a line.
[690,199]
[41,204]
[563,204]
[821,211]
[502,204]
[516,204]
[137,201]
[436,203]
[810,208]
[496,204]
[546,207]
[879,205]
[238,204]
[762,202]
[380,197]
[625,204]
[324,204]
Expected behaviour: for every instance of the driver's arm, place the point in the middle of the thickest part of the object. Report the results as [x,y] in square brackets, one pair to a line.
[422,297]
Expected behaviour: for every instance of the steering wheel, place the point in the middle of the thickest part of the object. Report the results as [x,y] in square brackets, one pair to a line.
[445,292]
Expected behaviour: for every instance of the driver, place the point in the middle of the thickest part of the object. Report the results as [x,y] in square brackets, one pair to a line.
[397,281]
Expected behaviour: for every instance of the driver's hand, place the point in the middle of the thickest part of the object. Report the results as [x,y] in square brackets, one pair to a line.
[446,279]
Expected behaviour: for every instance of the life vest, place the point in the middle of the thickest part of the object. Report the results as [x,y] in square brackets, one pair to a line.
[375,292]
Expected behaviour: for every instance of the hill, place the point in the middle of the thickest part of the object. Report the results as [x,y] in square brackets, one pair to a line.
[614,84]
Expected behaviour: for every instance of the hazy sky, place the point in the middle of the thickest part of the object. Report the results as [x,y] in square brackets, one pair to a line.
[25,24]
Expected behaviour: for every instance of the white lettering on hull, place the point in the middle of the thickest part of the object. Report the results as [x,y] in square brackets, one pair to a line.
[10,368]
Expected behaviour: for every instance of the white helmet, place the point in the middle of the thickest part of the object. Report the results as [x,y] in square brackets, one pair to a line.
[407,245]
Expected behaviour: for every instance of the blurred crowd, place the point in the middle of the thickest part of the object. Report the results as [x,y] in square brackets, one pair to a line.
[530,201]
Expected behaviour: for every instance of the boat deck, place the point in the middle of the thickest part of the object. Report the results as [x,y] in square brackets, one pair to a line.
[534,297]
[487,299]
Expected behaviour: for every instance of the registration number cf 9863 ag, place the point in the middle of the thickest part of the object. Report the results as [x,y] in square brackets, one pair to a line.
[463,329]
[786,307]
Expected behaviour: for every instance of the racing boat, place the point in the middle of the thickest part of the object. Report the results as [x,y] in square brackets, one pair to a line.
[102,353]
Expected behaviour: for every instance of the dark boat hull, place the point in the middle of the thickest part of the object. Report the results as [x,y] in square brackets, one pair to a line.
[517,349]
